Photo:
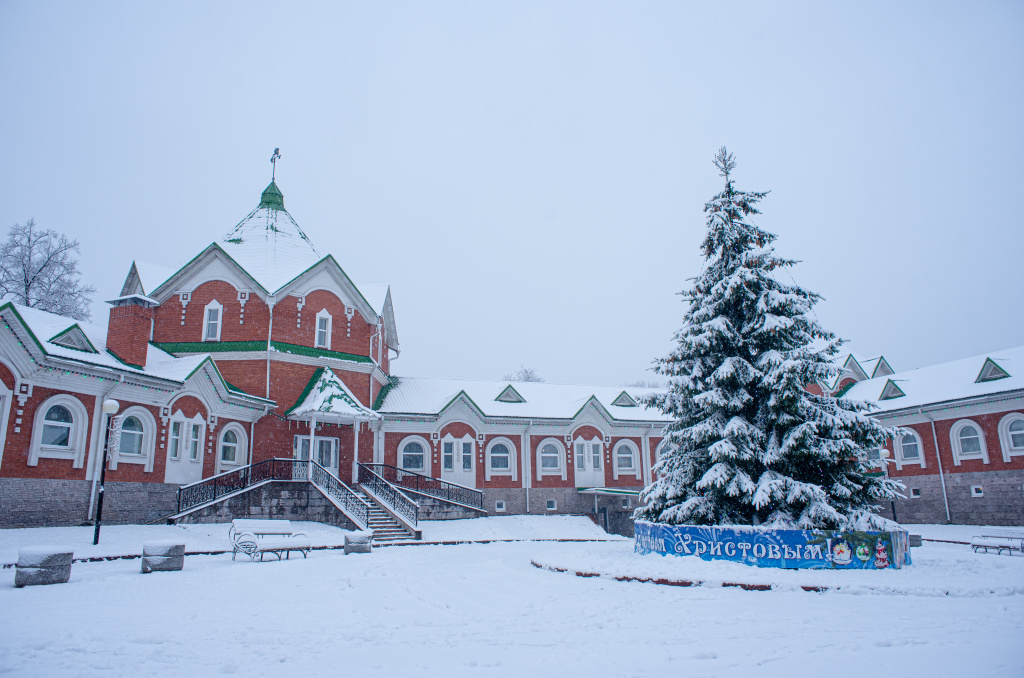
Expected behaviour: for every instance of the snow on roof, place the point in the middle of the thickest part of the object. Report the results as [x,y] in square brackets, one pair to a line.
[269,245]
[376,294]
[151,276]
[327,397]
[416,395]
[955,380]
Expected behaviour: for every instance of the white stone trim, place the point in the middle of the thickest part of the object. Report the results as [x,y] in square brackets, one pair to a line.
[563,466]
[456,444]
[1004,436]
[241,447]
[635,471]
[6,396]
[149,435]
[512,459]
[427,454]
[77,443]
[954,441]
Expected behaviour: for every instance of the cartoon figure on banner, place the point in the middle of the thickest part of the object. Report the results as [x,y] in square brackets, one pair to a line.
[863,553]
[881,557]
[842,552]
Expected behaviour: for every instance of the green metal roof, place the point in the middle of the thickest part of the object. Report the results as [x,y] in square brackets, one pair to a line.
[272,197]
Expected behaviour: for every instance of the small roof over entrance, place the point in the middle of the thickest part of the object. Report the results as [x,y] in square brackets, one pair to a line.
[327,399]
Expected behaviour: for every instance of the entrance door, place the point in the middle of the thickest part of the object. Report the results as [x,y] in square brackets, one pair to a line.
[184,450]
[326,452]
[457,464]
[589,468]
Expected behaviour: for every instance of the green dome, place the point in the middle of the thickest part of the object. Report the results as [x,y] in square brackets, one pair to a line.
[272,197]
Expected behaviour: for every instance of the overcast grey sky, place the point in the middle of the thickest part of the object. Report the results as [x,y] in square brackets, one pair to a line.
[530,176]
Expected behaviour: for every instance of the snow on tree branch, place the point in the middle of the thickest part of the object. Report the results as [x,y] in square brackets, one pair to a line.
[38,268]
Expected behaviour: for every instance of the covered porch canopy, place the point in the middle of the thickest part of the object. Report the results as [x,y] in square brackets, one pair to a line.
[327,400]
[607,491]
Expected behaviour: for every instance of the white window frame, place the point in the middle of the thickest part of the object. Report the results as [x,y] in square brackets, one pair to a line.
[213,305]
[634,452]
[241,447]
[323,315]
[551,505]
[149,430]
[427,454]
[186,436]
[897,444]
[562,470]
[458,453]
[512,463]
[174,451]
[499,506]
[588,446]
[77,443]
[954,441]
[1005,441]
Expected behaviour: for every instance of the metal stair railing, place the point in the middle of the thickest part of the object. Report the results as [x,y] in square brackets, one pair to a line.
[433,487]
[214,487]
[330,485]
[389,494]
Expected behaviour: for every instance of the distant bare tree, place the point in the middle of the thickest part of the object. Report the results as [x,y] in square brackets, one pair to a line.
[38,269]
[646,383]
[523,374]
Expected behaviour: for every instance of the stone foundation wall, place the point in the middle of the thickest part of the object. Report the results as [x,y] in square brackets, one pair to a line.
[281,500]
[435,509]
[33,502]
[1002,503]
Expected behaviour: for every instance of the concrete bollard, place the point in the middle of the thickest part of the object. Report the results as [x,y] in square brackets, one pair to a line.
[358,542]
[43,565]
[162,556]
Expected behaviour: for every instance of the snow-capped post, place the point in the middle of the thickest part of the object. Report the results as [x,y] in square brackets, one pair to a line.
[110,408]
[748,445]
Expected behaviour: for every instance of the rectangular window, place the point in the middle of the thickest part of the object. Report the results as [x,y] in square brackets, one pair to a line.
[175,444]
[549,457]
[499,506]
[625,502]
[581,457]
[552,504]
[467,456]
[193,444]
[976,491]
[325,452]
[625,458]
[449,456]
[595,449]
[322,332]
[915,492]
[212,324]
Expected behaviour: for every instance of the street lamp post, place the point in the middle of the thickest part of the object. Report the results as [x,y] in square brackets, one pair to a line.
[110,407]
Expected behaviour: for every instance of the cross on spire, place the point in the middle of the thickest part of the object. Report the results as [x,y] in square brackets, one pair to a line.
[273,161]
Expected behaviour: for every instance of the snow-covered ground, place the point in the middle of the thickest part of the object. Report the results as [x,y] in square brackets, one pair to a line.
[483,609]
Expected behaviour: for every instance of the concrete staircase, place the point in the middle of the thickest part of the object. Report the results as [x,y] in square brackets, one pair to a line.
[386,530]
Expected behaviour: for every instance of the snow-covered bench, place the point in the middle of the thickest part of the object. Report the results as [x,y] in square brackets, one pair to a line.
[1005,541]
[253,537]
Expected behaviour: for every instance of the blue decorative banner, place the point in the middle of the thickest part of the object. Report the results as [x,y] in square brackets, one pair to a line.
[767,547]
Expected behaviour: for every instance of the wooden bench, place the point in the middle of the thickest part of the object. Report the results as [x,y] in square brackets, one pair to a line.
[253,537]
[1004,541]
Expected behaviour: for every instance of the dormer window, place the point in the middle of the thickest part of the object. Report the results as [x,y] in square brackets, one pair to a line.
[213,319]
[323,330]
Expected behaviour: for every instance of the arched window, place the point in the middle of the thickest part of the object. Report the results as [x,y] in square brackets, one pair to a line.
[323,330]
[626,460]
[412,456]
[57,425]
[967,441]
[136,440]
[1011,435]
[59,431]
[551,459]
[213,319]
[909,449]
[501,459]
[131,436]
[229,447]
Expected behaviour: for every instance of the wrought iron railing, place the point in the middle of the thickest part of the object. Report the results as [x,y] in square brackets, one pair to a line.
[433,487]
[342,493]
[389,494]
[217,486]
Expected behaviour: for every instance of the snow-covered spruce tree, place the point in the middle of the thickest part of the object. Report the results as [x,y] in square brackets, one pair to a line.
[748,444]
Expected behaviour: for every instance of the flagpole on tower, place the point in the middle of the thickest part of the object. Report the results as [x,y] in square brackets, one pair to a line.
[273,161]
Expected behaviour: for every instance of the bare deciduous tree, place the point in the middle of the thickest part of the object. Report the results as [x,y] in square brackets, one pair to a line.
[523,374]
[38,269]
